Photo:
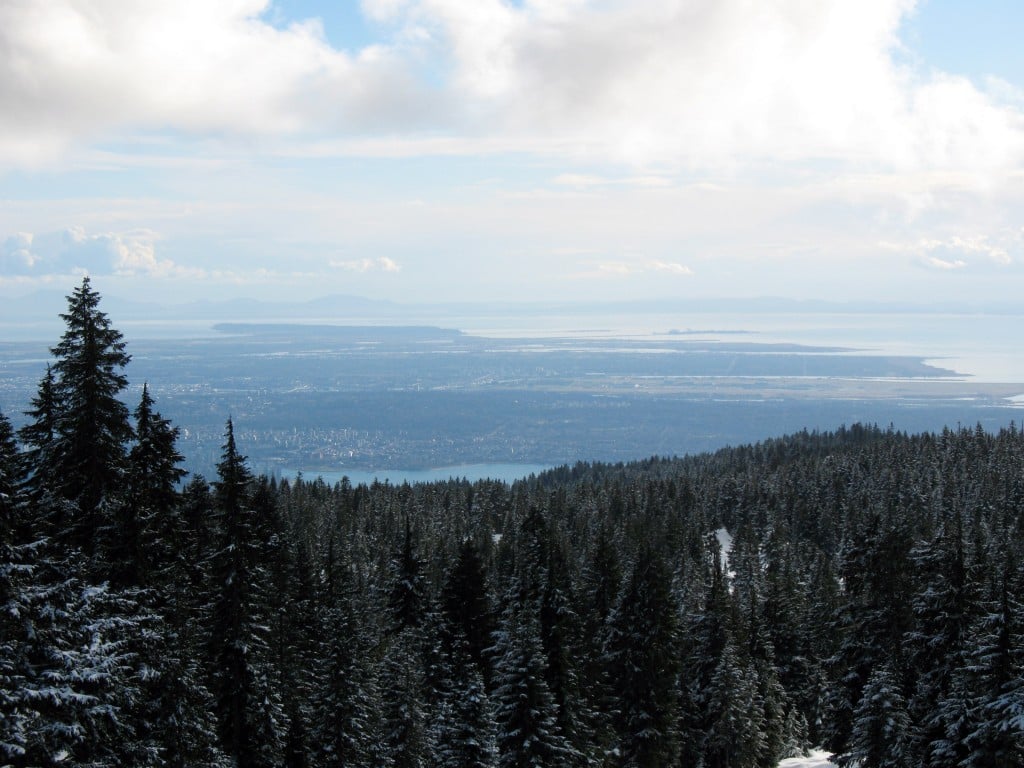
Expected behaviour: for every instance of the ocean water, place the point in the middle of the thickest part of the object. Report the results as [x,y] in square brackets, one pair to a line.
[983,347]
[987,347]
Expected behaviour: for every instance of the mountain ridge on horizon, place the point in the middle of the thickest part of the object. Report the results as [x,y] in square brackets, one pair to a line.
[41,303]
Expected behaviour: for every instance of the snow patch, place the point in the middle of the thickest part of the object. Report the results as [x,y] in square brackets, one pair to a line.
[725,542]
[817,759]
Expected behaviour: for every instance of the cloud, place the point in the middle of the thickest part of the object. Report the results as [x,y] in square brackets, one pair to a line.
[706,84]
[76,251]
[16,256]
[380,264]
[86,70]
[937,263]
[636,267]
[962,252]
[673,268]
[714,83]
[388,265]
[588,181]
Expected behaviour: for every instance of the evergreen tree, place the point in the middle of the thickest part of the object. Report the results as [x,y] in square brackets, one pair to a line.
[875,614]
[247,707]
[144,521]
[643,662]
[10,482]
[153,478]
[15,720]
[559,632]
[77,683]
[78,659]
[296,749]
[943,605]
[525,712]
[706,640]
[602,579]
[407,600]
[301,625]
[736,737]
[91,428]
[344,699]
[181,543]
[881,732]
[39,437]
[196,537]
[406,732]
[465,730]
[990,692]
[466,605]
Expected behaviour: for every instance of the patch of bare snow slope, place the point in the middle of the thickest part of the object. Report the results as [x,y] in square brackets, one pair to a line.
[817,759]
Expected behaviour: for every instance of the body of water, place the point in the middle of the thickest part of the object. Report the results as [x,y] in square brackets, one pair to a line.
[987,348]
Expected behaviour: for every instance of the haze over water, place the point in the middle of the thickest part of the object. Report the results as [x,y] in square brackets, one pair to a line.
[987,348]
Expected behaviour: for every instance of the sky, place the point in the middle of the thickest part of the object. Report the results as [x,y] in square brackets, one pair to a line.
[513,150]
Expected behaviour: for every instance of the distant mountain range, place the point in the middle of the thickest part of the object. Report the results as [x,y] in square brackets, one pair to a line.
[41,309]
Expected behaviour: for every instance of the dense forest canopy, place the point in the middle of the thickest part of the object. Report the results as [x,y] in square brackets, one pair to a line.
[859,590]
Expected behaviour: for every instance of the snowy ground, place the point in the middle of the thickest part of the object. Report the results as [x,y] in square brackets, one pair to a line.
[817,759]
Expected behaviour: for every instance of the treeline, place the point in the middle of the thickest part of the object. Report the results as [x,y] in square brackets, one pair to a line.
[859,590]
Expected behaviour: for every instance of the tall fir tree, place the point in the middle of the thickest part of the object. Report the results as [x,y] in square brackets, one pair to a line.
[407,599]
[91,424]
[991,684]
[466,605]
[86,641]
[882,732]
[464,729]
[344,701]
[15,571]
[248,711]
[735,709]
[525,711]
[560,636]
[39,436]
[642,655]
[943,607]
[405,727]
[708,632]
[10,482]
[875,612]
[144,520]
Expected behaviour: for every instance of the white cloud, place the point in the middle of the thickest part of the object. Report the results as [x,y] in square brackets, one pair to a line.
[76,251]
[671,267]
[961,252]
[937,263]
[16,256]
[384,10]
[716,82]
[636,267]
[380,264]
[73,70]
[654,83]
[388,265]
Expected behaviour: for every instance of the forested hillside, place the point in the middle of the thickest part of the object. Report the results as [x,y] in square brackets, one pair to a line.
[860,590]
